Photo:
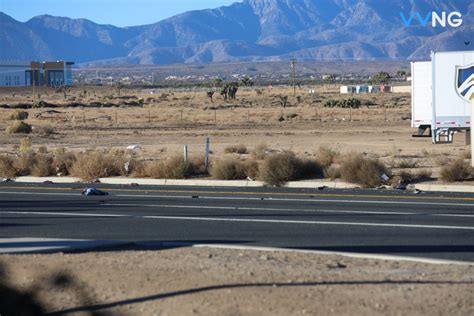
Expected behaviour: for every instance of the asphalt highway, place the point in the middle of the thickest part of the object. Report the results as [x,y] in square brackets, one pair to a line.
[428,225]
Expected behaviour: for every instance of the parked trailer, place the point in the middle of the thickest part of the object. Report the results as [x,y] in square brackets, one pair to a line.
[452,89]
[421,95]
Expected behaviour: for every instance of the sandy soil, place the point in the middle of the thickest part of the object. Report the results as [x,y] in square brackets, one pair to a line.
[191,281]
[170,119]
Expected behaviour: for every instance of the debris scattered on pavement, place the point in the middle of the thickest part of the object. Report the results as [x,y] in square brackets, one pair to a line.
[338,265]
[93,191]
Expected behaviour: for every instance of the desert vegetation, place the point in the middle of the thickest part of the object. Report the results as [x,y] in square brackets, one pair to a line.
[251,133]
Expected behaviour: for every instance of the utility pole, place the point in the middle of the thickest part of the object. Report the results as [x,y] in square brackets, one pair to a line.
[293,69]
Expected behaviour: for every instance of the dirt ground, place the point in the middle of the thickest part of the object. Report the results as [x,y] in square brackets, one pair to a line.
[204,281]
[169,119]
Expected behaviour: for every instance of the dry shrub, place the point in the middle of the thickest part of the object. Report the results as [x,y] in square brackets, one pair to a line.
[424,174]
[327,156]
[25,162]
[7,167]
[466,155]
[236,149]
[278,169]
[406,163]
[358,169]
[62,162]
[44,131]
[43,166]
[260,151]
[97,164]
[174,167]
[228,169]
[25,145]
[251,169]
[18,115]
[199,165]
[18,127]
[457,170]
[332,172]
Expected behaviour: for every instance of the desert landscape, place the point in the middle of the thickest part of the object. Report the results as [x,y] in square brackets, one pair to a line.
[161,121]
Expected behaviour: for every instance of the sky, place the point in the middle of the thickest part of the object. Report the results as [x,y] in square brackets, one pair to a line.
[115,12]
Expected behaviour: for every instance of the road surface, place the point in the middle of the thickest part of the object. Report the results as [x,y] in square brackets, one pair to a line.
[428,225]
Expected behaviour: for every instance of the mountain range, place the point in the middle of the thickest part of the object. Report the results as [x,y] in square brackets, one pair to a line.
[251,30]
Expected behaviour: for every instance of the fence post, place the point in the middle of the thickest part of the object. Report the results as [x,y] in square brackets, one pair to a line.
[206,159]
[185,152]
[149,115]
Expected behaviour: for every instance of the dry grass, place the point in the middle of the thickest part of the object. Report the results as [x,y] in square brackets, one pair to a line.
[175,167]
[43,131]
[260,151]
[62,162]
[361,170]
[236,149]
[277,169]
[43,166]
[332,172]
[24,162]
[97,164]
[7,167]
[18,127]
[228,169]
[457,170]
[327,156]
[18,115]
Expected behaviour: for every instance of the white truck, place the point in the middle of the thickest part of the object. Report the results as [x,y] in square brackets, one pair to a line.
[421,112]
[443,93]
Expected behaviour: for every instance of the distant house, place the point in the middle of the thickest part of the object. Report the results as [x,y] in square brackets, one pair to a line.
[53,74]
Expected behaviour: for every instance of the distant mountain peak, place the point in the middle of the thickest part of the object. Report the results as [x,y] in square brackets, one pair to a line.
[247,30]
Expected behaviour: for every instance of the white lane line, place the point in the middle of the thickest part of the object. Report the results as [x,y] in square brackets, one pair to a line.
[65,214]
[308,200]
[242,220]
[276,221]
[239,208]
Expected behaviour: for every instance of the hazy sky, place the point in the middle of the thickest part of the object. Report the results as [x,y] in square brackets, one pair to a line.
[115,12]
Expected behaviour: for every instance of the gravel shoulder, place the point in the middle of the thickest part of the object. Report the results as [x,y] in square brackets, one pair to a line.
[207,281]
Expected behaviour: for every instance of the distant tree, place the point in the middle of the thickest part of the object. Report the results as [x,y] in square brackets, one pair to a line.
[210,94]
[229,90]
[217,82]
[246,82]
[118,87]
[330,79]
[402,75]
[381,78]
[283,100]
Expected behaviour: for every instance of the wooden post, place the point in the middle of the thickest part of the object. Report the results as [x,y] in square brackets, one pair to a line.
[206,159]
[84,116]
[185,152]
[385,111]
[116,117]
[149,115]
[215,116]
[350,114]
[248,116]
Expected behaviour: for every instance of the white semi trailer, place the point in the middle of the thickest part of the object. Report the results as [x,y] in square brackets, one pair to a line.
[441,92]
[421,96]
